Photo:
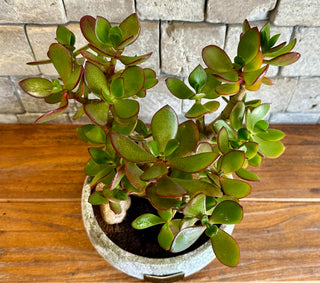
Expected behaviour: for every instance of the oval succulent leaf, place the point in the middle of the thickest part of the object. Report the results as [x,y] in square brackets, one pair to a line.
[221,123]
[247,175]
[165,237]
[178,88]
[271,149]
[133,173]
[99,155]
[198,78]
[146,220]
[228,88]
[225,248]
[167,188]
[150,78]
[160,203]
[255,64]
[102,27]
[61,59]
[216,59]
[97,112]
[37,87]
[236,188]
[88,26]
[156,171]
[232,161]
[92,134]
[193,163]
[249,45]
[164,126]
[196,207]
[253,77]
[65,36]
[130,28]
[186,237]
[284,59]
[126,108]
[129,150]
[226,212]
[223,140]
[229,77]
[237,114]
[134,60]
[97,198]
[133,79]
[95,79]
[270,134]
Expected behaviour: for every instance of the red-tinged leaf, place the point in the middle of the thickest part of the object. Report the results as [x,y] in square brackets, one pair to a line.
[55,113]
[236,188]
[195,187]
[237,114]
[280,49]
[104,173]
[204,147]
[247,175]
[133,173]
[95,79]
[117,178]
[193,163]
[228,89]
[94,59]
[61,59]
[254,76]
[225,248]
[255,64]
[178,88]
[158,202]
[155,171]
[74,78]
[270,149]
[284,59]
[216,59]
[102,27]
[196,207]
[167,188]
[249,45]
[130,28]
[130,151]
[255,86]
[108,52]
[232,161]
[245,26]
[187,136]
[186,237]
[165,237]
[146,220]
[133,79]
[135,60]
[223,140]
[229,77]
[227,212]
[88,26]
[37,87]
[266,81]
[126,108]
[97,112]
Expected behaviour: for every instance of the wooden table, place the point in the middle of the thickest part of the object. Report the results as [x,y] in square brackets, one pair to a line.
[42,238]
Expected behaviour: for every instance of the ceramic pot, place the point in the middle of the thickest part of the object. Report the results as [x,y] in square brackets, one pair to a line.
[168,269]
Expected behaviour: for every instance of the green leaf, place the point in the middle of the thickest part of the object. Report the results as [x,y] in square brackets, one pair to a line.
[197,110]
[245,26]
[165,237]
[210,86]
[155,171]
[273,40]
[225,248]
[37,87]
[129,150]
[164,126]
[197,78]
[159,202]
[187,136]
[92,168]
[253,77]
[166,215]
[130,28]
[65,36]
[172,145]
[99,155]
[126,108]
[178,88]
[232,161]
[97,198]
[221,123]
[258,113]
[223,140]
[106,173]
[236,188]
[255,161]
[284,59]
[280,49]
[255,63]
[61,59]
[133,79]
[193,163]
[133,173]
[247,175]
[270,134]
[55,113]
[226,212]
[102,28]
[216,59]
[204,147]
[97,112]
[92,134]
[116,87]
[186,237]
[115,36]
[249,45]
[88,27]
[96,79]
[271,149]
[195,187]
[146,220]
[167,188]
[237,114]
[228,89]
[228,77]
[154,148]
[261,125]
[196,207]
[150,78]
[74,78]
[134,60]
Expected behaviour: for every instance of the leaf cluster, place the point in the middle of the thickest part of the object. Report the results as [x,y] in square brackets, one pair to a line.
[193,173]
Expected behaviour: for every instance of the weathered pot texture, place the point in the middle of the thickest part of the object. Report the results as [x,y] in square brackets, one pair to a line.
[173,268]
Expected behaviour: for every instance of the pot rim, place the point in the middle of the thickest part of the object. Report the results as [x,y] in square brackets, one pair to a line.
[136,265]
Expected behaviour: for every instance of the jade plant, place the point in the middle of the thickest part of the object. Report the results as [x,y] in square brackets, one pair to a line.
[193,173]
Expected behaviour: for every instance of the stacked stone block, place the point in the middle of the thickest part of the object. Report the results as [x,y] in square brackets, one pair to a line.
[176,32]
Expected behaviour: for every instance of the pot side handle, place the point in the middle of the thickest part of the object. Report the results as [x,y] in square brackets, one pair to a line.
[164,278]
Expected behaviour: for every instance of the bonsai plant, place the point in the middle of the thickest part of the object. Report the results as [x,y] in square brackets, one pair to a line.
[193,173]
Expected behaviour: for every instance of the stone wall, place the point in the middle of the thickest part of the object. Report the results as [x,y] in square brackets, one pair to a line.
[175,31]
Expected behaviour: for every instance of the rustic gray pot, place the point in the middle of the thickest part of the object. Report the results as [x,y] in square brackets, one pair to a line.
[138,266]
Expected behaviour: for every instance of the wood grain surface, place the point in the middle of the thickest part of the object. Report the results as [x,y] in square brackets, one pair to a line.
[42,238]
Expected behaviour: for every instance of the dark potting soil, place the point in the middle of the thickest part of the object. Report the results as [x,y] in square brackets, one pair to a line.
[140,242]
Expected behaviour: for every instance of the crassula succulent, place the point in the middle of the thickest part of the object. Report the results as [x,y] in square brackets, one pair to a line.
[193,173]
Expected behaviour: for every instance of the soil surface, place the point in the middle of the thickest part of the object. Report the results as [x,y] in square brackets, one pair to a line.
[140,242]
